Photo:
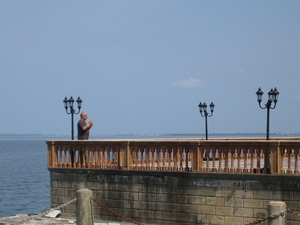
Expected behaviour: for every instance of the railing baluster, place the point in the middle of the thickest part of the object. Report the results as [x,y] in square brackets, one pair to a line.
[101,158]
[230,162]
[235,161]
[204,161]
[97,157]
[255,161]
[261,160]
[298,163]
[155,154]
[161,159]
[172,161]
[285,161]
[64,157]
[139,155]
[217,161]
[92,150]
[144,159]
[242,162]
[190,159]
[69,151]
[74,153]
[293,161]
[134,160]
[223,162]
[248,162]
[167,160]
[150,157]
[210,161]
[183,160]
[105,158]
[178,160]
[59,157]
[116,158]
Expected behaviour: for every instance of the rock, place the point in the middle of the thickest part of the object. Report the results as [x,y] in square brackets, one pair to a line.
[53,214]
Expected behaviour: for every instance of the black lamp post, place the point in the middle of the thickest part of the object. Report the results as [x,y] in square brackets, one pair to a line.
[70,103]
[273,97]
[204,113]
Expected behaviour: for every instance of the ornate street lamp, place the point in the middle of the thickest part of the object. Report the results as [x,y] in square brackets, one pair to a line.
[273,97]
[70,103]
[204,113]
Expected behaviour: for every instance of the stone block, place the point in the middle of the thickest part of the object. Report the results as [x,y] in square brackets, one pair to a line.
[93,185]
[134,196]
[205,209]
[262,194]
[146,214]
[134,204]
[170,207]
[235,202]
[216,220]
[149,189]
[161,215]
[180,199]
[179,217]
[196,200]
[53,183]
[154,206]
[163,198]
[233,220]
[197,219]
[148,197]
[224,211]
[242,212]
[142,205]
[188,208]
[283,195]
[130,213]
[136,188]
[253,203]
[115,195]
[205,191]
[217,201]
[242,193]
[183,190]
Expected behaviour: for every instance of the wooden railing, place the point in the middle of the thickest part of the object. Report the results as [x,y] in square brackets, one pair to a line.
[213,156]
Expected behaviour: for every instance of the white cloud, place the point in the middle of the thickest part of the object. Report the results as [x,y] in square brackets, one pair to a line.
[189,84]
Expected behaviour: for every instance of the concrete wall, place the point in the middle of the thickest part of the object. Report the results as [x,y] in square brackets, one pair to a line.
[178,198]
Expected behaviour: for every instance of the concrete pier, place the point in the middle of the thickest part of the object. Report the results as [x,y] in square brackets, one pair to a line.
[31,220]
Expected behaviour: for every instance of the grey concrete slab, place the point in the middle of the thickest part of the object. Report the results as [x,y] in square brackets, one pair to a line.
[33,220]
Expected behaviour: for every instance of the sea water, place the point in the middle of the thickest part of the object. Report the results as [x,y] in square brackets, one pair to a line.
[25,179]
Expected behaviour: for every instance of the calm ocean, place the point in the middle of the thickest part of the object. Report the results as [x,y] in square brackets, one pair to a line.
[25,180]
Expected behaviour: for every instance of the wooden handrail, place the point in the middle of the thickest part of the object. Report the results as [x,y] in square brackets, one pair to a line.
[280,156]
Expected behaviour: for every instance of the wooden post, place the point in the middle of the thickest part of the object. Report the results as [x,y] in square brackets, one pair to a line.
[84,207]
[273,208]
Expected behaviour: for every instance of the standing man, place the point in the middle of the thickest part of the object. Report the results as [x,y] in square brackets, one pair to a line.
[83,127]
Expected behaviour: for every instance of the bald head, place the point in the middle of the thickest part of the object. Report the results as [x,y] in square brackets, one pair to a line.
[84,115]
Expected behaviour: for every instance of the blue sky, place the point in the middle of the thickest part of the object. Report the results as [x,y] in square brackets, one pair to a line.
[142,67]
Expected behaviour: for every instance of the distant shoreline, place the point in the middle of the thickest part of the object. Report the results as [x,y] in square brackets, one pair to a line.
[192,135]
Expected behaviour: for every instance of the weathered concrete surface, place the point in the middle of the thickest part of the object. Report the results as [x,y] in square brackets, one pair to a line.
[31,220]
